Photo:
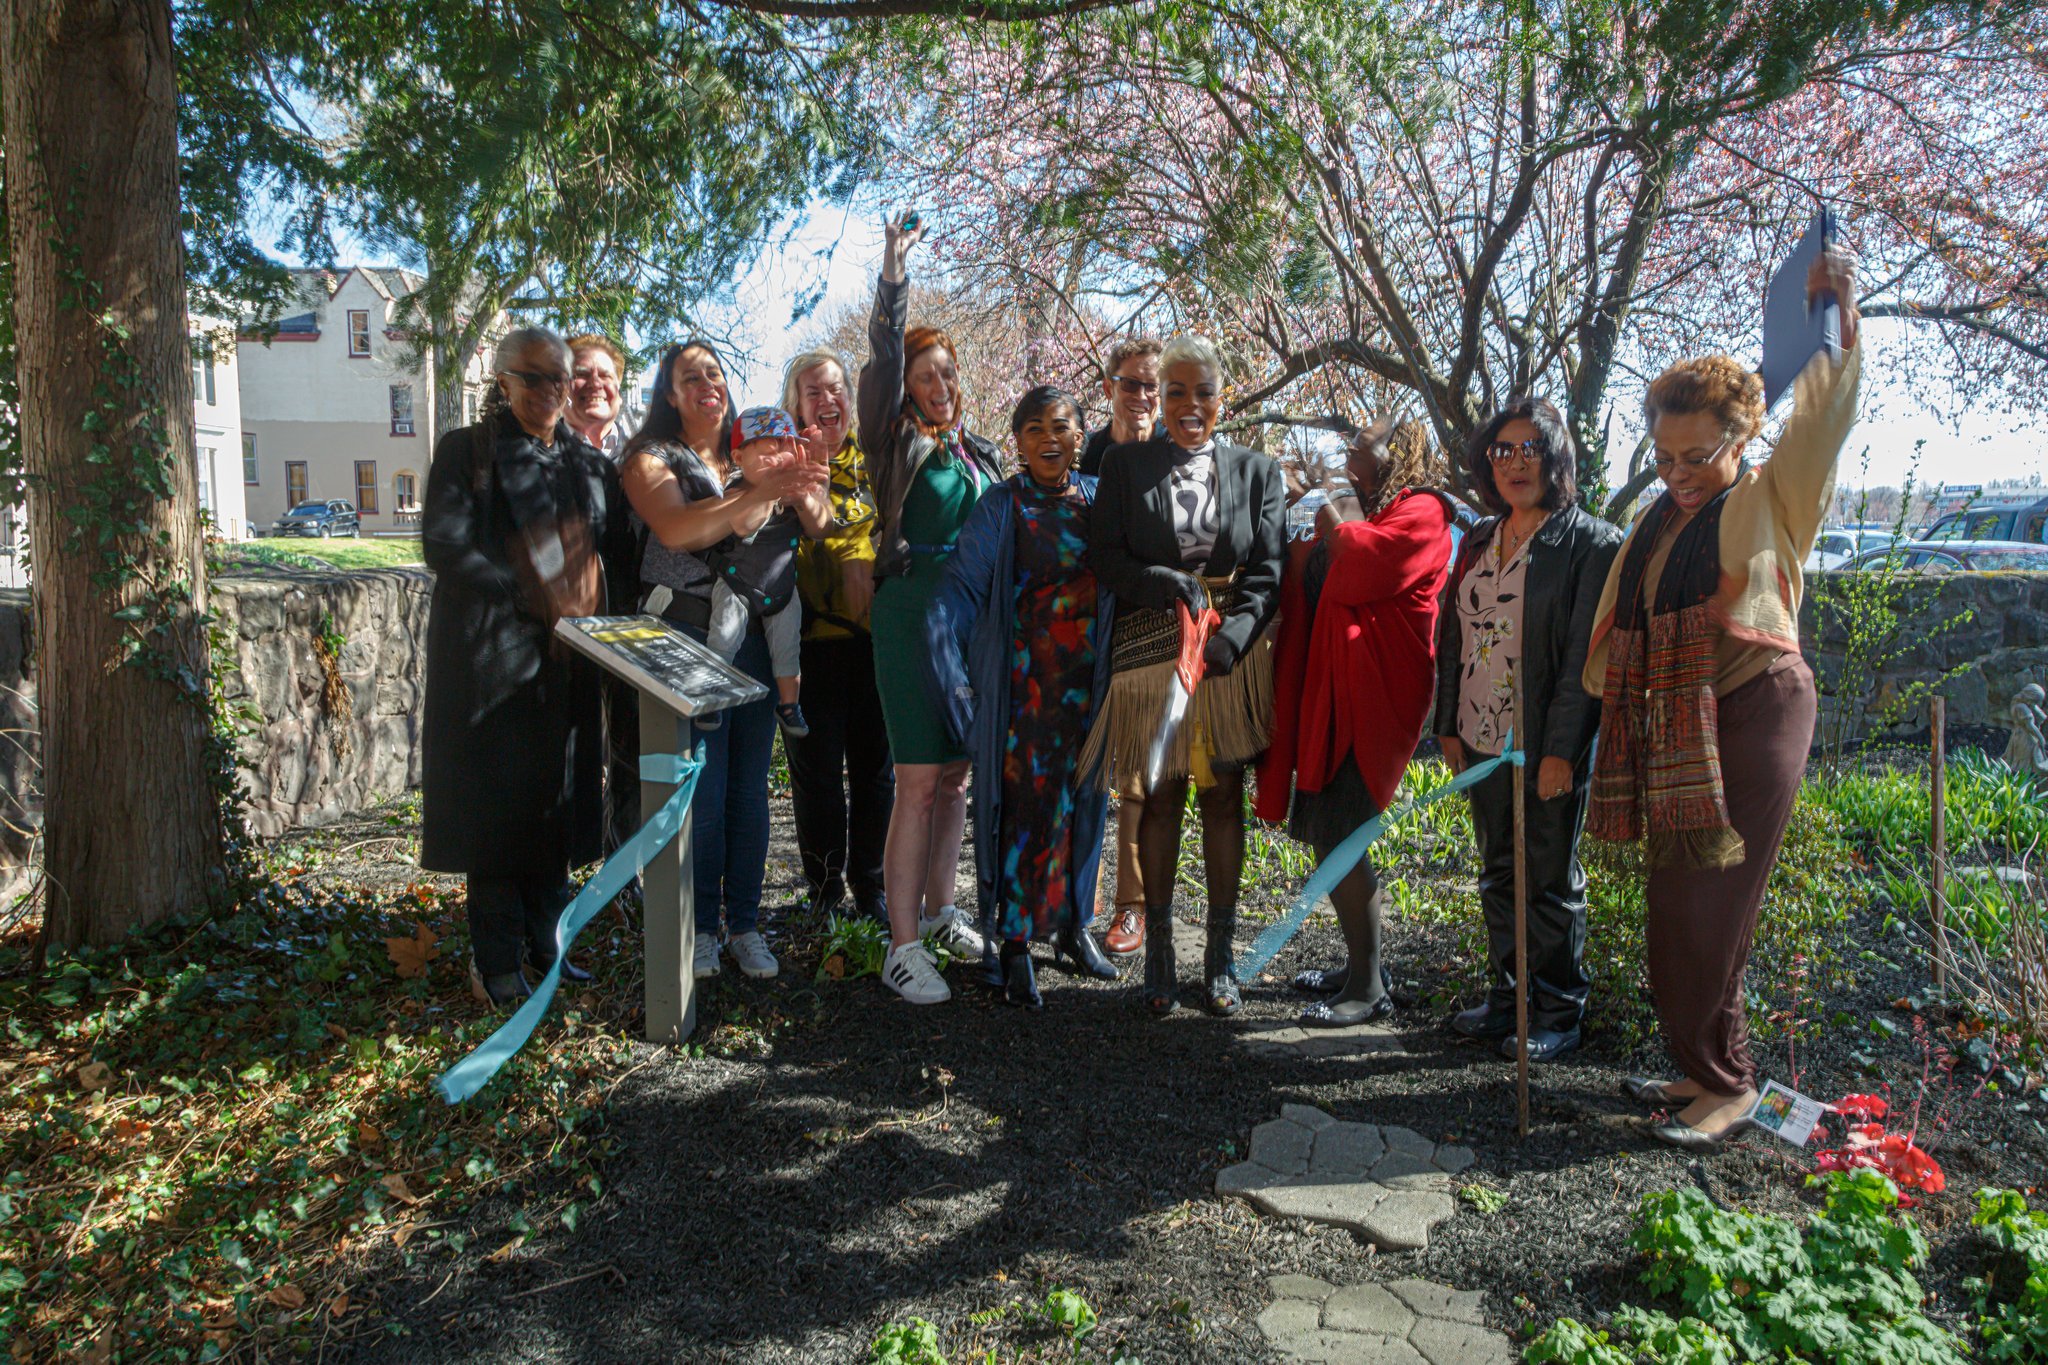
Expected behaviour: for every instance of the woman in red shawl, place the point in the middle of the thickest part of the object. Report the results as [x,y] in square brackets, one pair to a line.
[1354,673]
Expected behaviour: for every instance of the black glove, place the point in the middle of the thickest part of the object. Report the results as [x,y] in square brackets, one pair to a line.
[1187,588]
[1218,657]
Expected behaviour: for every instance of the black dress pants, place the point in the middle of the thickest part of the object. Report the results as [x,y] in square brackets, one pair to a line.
[1557,894]
[842,785]
[512,916]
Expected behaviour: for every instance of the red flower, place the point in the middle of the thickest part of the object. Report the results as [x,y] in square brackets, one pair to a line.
[1864,1107]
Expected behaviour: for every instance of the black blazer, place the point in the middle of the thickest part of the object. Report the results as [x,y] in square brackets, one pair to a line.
[1568,563]
[1133,551]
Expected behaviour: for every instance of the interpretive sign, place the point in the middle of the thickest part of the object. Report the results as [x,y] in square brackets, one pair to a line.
[661,661]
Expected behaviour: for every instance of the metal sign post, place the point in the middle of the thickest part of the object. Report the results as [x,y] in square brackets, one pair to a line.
[667,892]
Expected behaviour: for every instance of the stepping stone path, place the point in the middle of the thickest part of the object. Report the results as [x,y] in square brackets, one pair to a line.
[1292,1040]
[1406,1322]
[1388,1185]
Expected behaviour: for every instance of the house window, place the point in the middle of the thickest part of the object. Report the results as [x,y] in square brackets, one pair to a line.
[294,483]
[366,485]
[206,457]
[202,381]
[401,409]
[249,458]
[405,490]
[358,331]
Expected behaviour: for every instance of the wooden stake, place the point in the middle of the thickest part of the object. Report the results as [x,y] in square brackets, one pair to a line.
[1937,889]
[1521,778]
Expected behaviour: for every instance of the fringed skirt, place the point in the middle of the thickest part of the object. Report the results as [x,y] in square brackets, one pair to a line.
[1230,718]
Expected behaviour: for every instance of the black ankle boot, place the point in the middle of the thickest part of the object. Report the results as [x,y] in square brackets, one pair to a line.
[1020,984]
[1079,947]
[1159,982]
[1217,969]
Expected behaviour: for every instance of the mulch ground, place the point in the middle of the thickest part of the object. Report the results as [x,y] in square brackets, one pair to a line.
[825,1160]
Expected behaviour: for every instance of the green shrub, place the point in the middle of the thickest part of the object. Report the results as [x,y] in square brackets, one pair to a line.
[2012,1301]
[1756,1287]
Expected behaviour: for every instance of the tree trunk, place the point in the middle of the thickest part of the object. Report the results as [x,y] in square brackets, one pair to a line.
[132,826]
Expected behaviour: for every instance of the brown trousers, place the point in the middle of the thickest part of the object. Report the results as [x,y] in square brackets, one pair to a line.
[1700,924]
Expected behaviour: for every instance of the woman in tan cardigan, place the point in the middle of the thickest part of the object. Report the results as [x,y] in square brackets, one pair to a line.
[1695,651]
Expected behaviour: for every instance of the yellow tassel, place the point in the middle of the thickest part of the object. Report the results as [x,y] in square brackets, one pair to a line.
[1198,758]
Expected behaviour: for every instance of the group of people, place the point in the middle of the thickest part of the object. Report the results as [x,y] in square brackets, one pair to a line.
[923,617]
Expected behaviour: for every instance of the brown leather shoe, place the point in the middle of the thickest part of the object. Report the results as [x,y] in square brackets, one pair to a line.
[1126,932]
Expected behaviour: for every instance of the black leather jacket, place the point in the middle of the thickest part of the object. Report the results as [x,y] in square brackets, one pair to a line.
[1568,561]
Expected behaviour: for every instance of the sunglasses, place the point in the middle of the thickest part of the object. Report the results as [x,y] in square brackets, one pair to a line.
[1132,388]
[1506,452]
[535,380]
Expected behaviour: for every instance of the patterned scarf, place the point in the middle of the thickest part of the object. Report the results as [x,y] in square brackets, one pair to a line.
[1659,766]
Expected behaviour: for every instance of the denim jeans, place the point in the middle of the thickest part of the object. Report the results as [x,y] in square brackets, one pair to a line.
[729,816]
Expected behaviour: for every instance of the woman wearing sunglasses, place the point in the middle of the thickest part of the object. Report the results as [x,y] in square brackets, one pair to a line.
[1695,650]
[1519,606]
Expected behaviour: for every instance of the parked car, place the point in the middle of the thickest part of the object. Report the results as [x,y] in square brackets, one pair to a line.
[1952,556]
[1837,545]
[2008,519]
[333,517]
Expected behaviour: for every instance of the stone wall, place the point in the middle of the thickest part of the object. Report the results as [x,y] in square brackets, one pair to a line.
[302,763]
[1999,648]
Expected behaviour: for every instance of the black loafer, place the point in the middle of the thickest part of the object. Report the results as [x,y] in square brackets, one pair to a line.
[1483,1022]
[1687,1138]
[1545,1044]
[1078,947]
[1345,1013]
[1321,980]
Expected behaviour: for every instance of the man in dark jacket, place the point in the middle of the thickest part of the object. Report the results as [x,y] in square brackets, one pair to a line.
[1130,385]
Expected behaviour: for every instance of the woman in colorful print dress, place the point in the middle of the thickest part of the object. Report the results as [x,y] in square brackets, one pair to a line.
[1018,671]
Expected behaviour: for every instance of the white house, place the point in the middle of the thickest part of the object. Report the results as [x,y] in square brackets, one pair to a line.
[216,442]
[338,405]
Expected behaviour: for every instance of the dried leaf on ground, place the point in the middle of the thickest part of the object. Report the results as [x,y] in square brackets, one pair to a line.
[287,1296]
[94,1076]
[411,955]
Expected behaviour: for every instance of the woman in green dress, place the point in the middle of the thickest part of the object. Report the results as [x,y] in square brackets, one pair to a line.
[927,471]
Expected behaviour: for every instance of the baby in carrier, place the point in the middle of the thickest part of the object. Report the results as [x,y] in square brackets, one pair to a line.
[756,573]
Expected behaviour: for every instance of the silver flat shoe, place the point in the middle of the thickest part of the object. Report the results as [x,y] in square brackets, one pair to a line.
[1687,1138]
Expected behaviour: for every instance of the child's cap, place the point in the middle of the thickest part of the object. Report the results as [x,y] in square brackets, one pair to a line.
[762,424]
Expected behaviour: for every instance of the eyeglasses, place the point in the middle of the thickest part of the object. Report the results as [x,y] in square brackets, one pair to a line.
[1132,388]
[535,380]
[1666,463]
[1507,452]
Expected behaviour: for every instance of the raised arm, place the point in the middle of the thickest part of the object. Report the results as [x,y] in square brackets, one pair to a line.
[881,381]
[453,518]
[1799,477]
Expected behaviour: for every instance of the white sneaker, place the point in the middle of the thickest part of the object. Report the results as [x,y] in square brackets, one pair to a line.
[704,961]
[750,950]
[953,933]
[911,973]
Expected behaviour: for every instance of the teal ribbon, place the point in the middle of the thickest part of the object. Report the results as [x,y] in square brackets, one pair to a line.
[1345,856]
[473,1072]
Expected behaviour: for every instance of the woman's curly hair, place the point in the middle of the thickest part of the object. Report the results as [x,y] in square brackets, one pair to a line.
[1714,384]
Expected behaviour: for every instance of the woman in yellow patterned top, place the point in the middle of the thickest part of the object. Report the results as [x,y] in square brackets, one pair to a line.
[842,784]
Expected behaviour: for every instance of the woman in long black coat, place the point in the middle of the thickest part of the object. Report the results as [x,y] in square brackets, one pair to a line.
[524,524]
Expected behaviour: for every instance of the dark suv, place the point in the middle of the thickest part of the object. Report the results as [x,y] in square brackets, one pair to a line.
[2021,519]
[323,519]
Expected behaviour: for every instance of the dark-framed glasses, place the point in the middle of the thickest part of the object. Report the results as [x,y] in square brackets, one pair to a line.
[1508,452]
[533,379]
[1133,388]
[1666,463]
